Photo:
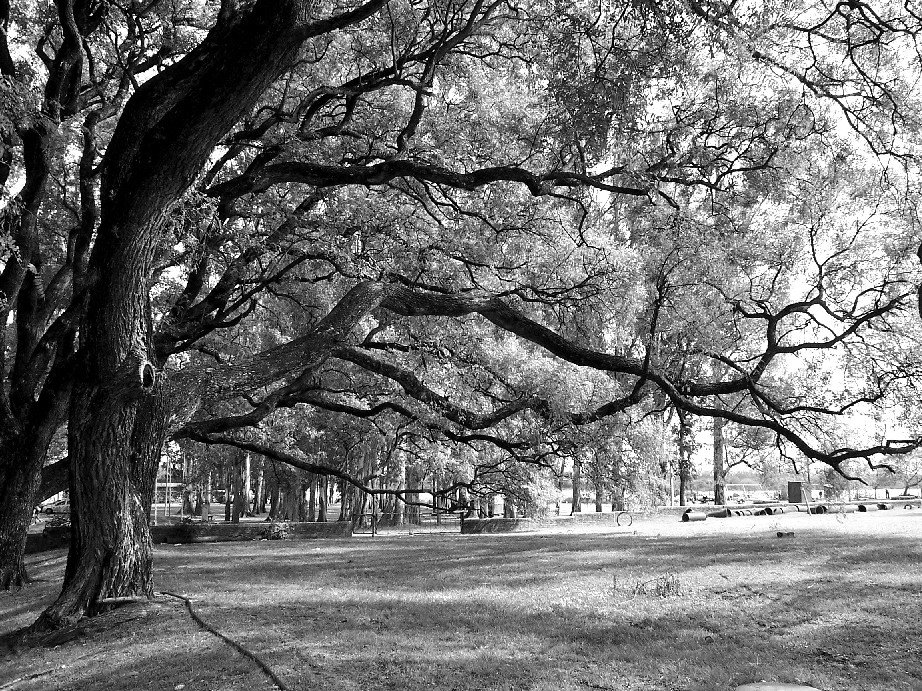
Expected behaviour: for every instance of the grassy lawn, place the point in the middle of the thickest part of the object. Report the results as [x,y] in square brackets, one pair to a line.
[838,606]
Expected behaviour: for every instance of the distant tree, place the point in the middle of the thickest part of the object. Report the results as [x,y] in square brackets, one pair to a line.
[909,471]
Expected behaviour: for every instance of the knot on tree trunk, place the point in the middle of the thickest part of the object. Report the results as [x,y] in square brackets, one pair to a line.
[147,374]
[136,370]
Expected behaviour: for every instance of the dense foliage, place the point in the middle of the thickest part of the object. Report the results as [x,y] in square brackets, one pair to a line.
[444,244]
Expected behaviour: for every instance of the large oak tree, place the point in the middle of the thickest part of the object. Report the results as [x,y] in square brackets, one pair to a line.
[408,173]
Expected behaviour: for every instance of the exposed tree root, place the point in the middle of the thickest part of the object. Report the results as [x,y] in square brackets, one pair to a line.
[29,677]
[232,643]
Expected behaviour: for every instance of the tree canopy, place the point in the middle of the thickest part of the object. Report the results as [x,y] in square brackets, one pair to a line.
[478,232]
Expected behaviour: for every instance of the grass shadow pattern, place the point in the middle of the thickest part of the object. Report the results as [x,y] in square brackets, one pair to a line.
[836,607]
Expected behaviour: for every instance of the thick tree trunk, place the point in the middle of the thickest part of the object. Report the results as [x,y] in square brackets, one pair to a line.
[20,477]
[23,451]
[166,133]
[110,550]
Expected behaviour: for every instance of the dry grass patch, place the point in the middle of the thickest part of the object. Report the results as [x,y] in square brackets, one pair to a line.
[836,606]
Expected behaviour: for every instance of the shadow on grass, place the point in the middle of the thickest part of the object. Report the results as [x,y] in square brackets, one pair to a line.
[390,643]
[529,612]
[457,563]
[163,664]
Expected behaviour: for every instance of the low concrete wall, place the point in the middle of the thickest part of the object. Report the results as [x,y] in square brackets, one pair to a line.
[594,516]
[57,537]
[184,533]
[472,526]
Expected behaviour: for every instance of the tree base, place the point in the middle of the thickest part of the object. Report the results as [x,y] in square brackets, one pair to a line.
[14,578]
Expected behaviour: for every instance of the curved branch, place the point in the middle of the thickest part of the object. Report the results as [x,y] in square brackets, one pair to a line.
[321,175]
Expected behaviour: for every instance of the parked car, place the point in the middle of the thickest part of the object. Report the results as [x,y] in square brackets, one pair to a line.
[59,506]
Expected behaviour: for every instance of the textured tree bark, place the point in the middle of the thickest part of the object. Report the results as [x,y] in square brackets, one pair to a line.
[20,476]
[110,551]
[22,457]
[164,136]
[26,424]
